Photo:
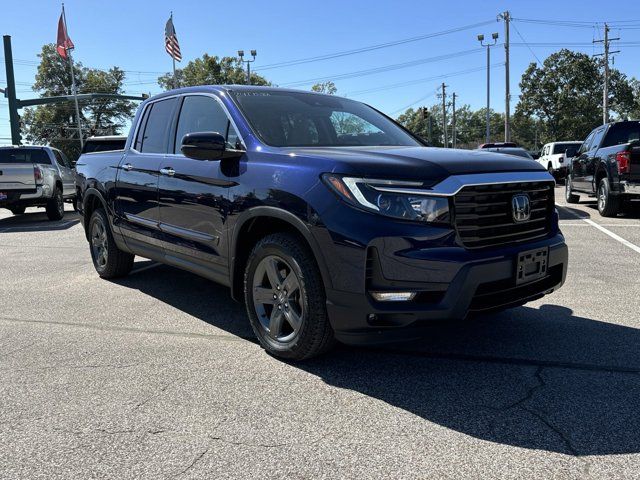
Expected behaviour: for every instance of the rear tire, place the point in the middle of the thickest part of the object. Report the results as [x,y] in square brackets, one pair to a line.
[285,299]
[608,204]
[108,260]
[569,196]
[55,205]
[18,210]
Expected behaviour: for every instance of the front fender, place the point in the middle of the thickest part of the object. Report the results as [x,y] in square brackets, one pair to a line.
[302,227]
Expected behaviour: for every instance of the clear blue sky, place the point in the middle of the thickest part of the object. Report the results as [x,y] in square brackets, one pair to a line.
[130,35]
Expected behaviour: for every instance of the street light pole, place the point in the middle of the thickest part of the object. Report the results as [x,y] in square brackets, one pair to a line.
[248,62]
[488,46]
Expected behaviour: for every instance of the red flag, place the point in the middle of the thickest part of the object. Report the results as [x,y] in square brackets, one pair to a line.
[64,42]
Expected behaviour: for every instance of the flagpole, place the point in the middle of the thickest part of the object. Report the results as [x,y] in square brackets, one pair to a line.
[175,80]
[73,81]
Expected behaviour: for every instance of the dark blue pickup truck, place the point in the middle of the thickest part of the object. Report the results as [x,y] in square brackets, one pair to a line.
[328,219]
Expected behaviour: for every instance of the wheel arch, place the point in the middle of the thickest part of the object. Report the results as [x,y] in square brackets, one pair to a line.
[255,224]
[601,172]
[91,200]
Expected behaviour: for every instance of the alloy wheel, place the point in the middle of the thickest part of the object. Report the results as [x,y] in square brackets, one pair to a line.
[278,299]
[99,244]
[602,198]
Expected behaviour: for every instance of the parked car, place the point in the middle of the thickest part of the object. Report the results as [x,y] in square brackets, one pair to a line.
[104,144]
[32,176]
[552,157]
[329,219]
[515,151]
[607,164]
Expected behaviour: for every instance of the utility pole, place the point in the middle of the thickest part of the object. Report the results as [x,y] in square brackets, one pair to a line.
[453,120]
[444,114]
[607,52]
[10,92]
[488,46]
[506,16]
[430,130]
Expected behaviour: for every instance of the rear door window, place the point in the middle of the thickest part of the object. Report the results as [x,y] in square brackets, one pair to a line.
[61,159]
[597,138]
[585,145]
[156,130]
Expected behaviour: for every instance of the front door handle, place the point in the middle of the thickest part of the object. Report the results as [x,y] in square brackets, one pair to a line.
[168,171]
[127,166]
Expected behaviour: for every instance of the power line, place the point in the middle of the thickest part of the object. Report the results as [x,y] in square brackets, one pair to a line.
[370,48]
[422,80]
[382,69]
[528,46]
[421,99]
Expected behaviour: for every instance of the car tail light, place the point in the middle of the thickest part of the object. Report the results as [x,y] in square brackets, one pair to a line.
[623,158]
[37,174]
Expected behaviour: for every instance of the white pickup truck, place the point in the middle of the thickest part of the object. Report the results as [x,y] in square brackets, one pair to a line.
[32,176]
[553,158]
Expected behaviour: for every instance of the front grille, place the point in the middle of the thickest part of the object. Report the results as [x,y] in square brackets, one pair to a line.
[484,217]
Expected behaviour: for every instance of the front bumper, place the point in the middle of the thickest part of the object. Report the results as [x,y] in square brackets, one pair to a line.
[452,282]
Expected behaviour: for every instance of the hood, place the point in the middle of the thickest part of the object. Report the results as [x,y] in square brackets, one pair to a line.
[407,163]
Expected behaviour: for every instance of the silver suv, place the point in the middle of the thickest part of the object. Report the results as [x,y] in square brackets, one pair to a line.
[32,176]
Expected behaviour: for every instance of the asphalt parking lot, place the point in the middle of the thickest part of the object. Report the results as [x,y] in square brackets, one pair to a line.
[157,376]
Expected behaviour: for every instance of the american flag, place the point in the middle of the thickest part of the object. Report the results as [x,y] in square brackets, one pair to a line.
[171,41]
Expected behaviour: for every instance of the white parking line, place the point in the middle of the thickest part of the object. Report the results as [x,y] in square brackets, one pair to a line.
[626,243]
[574,224]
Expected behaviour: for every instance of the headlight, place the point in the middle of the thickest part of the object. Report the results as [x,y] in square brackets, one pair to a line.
[397,199]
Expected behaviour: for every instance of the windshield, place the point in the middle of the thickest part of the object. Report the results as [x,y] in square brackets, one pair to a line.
[292,119]
[562,147]
[24,155]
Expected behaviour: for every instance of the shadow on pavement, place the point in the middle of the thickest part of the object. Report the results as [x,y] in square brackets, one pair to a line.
[569,213]
[538,378]
[38,222]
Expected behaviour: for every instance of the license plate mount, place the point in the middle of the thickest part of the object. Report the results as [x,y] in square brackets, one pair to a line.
[532,265]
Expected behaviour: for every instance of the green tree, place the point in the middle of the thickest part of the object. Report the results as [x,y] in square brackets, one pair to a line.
[327,87]
[565,93]
[210,70]
[635,111]
[426,122]
[56,124]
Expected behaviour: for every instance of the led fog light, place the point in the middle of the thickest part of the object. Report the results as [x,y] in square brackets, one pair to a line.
[393,296]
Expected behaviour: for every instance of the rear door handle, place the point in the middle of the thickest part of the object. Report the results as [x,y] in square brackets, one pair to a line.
[127,166]
[168,171]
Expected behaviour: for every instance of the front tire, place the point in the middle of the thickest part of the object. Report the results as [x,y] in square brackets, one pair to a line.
[285,299]
[608,204]
[569,196]
[108,260]
[55,205]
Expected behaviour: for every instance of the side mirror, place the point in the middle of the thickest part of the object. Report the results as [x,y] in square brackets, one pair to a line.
[203,145]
